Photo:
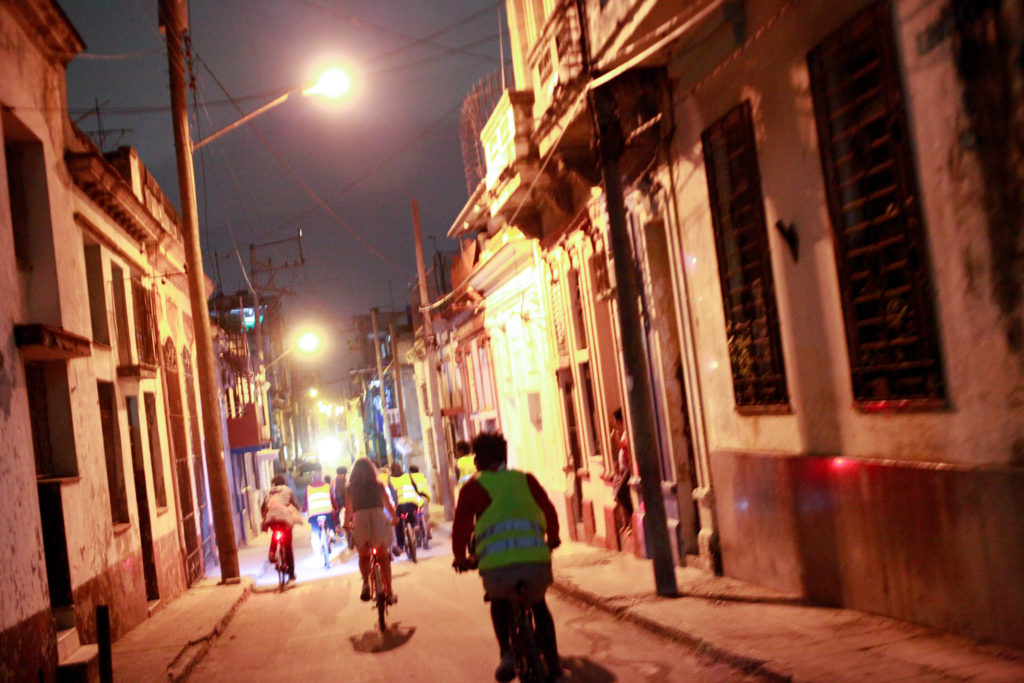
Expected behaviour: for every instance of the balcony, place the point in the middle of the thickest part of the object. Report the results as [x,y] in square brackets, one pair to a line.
[246,431]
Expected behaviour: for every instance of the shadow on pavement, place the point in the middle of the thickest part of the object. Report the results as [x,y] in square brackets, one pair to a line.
[583,670]
[375,641]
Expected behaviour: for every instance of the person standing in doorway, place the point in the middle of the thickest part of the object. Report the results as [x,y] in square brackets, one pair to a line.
[623,471]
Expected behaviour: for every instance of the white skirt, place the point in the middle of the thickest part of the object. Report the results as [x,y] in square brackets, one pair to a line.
[371,529]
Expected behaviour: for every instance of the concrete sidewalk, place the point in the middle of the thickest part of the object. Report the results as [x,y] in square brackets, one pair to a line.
[773,634]
[170,643]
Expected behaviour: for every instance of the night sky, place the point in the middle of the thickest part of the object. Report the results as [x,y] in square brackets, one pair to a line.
[394,138]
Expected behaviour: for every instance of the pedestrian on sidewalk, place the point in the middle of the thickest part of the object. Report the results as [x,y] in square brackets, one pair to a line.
[366,505]
[623,470]
[280,512]
[515,527]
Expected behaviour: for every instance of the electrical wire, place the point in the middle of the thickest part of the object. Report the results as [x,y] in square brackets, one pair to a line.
[303,184]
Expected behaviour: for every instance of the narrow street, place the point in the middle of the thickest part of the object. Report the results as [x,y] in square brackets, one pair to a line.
[439,631]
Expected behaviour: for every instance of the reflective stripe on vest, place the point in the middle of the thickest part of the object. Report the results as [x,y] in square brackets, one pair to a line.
[512,528]
[318,500]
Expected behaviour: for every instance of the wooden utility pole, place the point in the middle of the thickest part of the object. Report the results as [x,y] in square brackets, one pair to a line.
[627,291]
[430,345]
[174,21]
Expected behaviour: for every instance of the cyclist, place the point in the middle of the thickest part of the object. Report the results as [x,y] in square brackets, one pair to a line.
[407,499]
[419,480]
[365,505]
[317,506]
[465,464]
[516,528]
[280,511]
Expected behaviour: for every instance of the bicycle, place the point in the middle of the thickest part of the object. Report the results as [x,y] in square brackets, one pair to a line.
[529,666]
[523,639]
[277,542]
[377,595]
[422,531]
[410,536]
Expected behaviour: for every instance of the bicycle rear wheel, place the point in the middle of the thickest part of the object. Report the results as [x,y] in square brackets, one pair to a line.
[381,598]
[529,666]
[410,541]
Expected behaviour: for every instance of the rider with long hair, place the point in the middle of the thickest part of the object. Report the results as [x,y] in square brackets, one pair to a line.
[365,505]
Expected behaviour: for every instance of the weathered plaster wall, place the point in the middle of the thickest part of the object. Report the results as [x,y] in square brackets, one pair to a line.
[921,520]
[985,381]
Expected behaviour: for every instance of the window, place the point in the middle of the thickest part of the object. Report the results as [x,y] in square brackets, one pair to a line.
[881,257]
[97,297]
[124,349]
[39,412]
[49,406]
[744,261]
[17,157]
[155,459]
[112,449]
[145,323]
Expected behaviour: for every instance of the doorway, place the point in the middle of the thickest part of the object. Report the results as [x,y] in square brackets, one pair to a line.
[142,498]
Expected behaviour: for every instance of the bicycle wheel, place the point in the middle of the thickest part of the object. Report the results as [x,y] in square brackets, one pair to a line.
[524,646]
[282,572]
[382,600]
[410,541]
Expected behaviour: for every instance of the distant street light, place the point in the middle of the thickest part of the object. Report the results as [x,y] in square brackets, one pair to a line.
[308,342]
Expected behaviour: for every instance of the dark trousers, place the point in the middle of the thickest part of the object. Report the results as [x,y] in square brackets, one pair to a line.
[409,510]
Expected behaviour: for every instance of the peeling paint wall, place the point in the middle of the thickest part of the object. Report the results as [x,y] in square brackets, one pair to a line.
[27,636]
[961,73]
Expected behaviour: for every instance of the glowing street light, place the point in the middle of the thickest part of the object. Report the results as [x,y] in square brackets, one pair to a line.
[307,343]
[334,83]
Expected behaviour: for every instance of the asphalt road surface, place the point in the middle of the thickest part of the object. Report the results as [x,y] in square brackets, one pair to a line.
[440,630]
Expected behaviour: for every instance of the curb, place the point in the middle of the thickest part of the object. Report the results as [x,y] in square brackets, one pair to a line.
[186,660]
[700,645]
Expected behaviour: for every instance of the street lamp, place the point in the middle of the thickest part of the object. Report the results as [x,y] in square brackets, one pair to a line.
[174,23]
[333,83]
[308,342]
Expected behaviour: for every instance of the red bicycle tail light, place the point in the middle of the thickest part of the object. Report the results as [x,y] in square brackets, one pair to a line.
[278,536]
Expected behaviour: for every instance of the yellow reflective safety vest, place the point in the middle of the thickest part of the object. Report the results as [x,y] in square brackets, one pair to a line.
[512,528]
[318,500]
[466,467]
[420,480]
[405,490]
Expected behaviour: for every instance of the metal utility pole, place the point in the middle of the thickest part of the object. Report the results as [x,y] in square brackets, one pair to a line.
[380,388]
[174,21]
[610,146]
[430,345]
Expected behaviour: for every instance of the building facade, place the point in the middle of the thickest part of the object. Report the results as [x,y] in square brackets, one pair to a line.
[820,207]
[102,468]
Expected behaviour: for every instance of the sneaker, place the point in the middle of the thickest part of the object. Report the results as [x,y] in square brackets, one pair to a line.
[291,578]
[506,670]
[365,594]
[392,599]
